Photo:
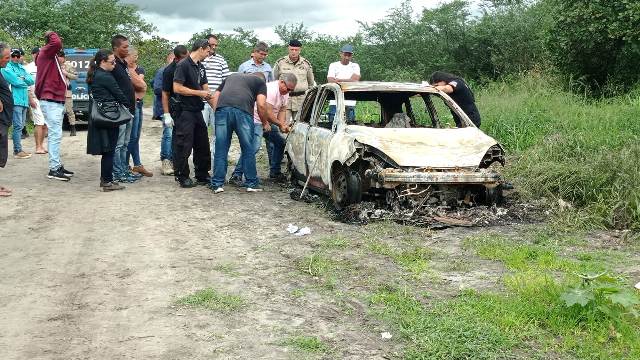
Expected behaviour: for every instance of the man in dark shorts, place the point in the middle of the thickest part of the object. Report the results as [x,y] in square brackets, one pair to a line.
[234,103]
[6,113]
[190,132]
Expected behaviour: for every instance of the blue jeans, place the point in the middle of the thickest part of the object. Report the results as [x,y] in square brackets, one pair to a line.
[210,121]
[53,114]
[165,143]
[257,141]
[276,139]
[19,119]
[133,146]
[120,165]
[350,112]
[229,120]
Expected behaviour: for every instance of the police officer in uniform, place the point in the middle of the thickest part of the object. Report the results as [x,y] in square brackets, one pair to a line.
[190,132]
[301,68]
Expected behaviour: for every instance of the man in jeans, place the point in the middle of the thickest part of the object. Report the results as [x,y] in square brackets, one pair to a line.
[50,90]
[6,114]
[277,98]
[121,173]
[20,80]
[136,73]
[166,147]
[234,102]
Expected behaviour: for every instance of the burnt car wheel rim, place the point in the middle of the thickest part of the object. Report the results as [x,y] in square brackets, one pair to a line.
[340,187]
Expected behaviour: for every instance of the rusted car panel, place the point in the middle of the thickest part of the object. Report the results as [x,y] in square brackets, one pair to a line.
[437,148]
[389,177]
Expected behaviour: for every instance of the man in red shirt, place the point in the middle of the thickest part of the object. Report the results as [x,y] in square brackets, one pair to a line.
[51,87]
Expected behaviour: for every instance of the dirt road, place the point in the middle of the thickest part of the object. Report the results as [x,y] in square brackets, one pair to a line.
[87,274]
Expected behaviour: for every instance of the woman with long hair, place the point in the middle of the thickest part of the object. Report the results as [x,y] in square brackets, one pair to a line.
[102,141]
[460,92]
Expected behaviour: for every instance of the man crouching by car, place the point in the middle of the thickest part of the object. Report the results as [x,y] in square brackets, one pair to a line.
[190,132]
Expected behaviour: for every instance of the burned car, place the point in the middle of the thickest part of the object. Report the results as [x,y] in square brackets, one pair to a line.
[404,148]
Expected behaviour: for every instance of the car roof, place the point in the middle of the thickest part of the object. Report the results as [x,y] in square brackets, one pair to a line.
[379,86]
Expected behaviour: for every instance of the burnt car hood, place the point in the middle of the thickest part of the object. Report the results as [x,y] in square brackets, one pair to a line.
[426,147]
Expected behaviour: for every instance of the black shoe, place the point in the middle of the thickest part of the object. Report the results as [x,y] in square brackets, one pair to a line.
[72,131]
[203,181]
[58,175]
[25,133]
[66,172]
[185,183]
[278,177]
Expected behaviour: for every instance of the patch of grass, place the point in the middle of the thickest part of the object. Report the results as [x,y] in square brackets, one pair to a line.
[307,344]
[415,260]
[334,242]
[297,293]
[213,300]
[227,269]
[328,269]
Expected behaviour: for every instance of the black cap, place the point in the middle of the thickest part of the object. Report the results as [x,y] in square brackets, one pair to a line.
[35,50]
[295,43]
[17,52]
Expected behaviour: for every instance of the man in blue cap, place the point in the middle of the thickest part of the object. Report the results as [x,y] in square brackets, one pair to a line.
[344,71]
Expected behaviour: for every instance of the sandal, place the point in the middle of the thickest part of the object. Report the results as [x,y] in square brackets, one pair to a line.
[4,191]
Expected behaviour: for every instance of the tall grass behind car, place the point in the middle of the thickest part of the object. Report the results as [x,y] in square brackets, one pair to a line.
[566,146]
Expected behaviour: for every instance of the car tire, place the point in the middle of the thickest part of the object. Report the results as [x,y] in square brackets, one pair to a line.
[346,187]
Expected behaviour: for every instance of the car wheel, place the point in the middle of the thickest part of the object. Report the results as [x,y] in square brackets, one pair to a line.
[346,187]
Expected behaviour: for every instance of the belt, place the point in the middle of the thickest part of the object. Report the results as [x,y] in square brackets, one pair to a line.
[55,101]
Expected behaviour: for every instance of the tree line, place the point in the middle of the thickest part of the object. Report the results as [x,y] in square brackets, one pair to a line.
[594,45]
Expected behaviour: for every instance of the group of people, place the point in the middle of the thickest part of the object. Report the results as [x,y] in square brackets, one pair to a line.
[194,92]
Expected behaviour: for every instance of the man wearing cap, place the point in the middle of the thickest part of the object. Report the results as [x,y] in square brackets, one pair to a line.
[6,112]
[344,71]
[69,73]
[256,63]
[16,75]
[301,68]
[50,90]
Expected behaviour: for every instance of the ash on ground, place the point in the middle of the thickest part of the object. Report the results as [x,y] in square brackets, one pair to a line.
[511,211]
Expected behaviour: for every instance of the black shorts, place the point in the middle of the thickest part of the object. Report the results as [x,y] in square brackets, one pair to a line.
[4,144]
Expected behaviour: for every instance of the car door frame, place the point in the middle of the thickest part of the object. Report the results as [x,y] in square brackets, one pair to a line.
[297,139]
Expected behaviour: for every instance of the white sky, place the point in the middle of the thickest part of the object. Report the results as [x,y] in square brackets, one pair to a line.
[177,20]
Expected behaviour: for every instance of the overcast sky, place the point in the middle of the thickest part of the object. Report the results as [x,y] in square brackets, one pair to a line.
[177,20]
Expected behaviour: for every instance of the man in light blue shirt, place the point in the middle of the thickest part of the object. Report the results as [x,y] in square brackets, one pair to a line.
[256,63]
[20,80]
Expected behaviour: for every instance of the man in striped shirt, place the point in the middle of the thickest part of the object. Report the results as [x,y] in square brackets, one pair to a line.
[217,70]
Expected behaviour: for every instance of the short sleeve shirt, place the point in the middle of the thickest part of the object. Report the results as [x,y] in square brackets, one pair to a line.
[275,100]
[167,78]
[339,71]
[240,91]
[192,75]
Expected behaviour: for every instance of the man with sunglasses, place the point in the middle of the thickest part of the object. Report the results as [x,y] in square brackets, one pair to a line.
[20,80]
[277,98]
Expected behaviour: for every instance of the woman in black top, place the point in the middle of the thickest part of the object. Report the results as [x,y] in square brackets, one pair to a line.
[101,141]
[459,91]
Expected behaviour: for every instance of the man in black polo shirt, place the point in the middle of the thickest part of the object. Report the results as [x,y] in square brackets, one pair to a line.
[180,52]
[120,46]
[190,132]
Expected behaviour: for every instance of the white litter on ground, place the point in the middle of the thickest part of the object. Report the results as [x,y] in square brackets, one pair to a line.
[298,231]
[386,335]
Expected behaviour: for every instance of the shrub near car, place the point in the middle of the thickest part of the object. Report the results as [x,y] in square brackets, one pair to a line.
[404,150]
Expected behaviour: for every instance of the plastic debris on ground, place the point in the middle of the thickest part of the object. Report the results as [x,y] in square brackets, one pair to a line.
[298,231]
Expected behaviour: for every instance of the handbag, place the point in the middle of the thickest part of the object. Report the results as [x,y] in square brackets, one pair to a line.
[109,114]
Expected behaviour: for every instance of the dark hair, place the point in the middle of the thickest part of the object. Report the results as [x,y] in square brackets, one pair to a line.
[180,51]
[259,74]
[261,46]
[199,44]
[117,40]
[101,55]
[211,36]
[438,76]
[61,53]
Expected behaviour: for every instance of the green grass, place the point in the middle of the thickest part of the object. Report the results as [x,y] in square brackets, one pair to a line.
[227,269]
[211,299]
[306,344]
[565,146]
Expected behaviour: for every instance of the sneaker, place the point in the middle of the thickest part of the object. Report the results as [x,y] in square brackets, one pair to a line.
[167,167]
[58,175]
[141,170]
[235,180]
[137,175]
[66,172]
[111,186]
[22,155]
[254,189]
[216,190]
[185,183]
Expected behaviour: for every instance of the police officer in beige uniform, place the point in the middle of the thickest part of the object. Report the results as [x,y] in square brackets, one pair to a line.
[301,68]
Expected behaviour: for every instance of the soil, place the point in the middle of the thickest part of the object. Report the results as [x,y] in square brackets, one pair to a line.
[87,274]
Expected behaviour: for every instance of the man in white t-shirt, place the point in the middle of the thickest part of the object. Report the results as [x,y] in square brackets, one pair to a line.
[344,71]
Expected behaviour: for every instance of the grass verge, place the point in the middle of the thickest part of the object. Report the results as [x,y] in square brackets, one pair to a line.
[211,299]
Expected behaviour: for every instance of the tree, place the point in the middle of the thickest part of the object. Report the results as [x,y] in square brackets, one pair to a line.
[597,42]
[152,54]
[288,31]
[82,23]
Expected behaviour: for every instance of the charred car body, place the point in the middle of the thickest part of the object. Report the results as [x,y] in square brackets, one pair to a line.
[404,150]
